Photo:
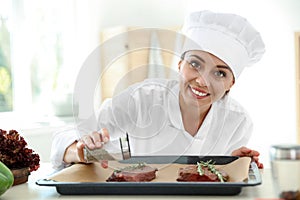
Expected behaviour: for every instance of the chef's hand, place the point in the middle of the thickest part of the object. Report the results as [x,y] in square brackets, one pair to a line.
[246,152]
[94,140]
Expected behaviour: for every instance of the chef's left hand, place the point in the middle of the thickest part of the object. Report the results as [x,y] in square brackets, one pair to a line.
[244,151]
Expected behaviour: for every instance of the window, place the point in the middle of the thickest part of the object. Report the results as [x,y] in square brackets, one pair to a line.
[38,57]
[43,45]
[5,62]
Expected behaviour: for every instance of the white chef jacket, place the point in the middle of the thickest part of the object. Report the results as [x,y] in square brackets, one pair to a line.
[149,112]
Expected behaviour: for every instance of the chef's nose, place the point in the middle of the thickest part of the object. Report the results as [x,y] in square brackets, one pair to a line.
[202,80]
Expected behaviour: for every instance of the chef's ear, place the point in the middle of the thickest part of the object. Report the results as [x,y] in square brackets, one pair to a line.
[179,64]
[232,83]
[181,59]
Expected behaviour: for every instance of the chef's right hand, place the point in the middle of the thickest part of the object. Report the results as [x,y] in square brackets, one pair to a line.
[94,140]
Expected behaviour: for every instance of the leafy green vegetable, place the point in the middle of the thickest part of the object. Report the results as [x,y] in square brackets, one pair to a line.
[6,178]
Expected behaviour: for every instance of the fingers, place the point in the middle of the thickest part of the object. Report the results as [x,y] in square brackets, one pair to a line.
[104,163]
[93,140]
[79,146]
[260,165]
[96,139]
[244,151]
[240,151]
[249,152]
[105,135]
[80,157]
[256,160]
[88,141]
[100,137]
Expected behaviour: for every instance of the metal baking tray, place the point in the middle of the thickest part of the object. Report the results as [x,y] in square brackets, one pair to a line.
[161,188]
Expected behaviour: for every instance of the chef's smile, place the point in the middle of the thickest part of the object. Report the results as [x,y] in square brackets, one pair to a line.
[198,93]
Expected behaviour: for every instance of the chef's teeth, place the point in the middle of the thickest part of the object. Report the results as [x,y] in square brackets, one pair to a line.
[199,93]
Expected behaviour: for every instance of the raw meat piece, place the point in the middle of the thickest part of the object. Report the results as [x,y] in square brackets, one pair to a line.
[191,173]
[136,173]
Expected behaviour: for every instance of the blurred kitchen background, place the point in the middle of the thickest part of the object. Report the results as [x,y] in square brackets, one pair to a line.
[44,43]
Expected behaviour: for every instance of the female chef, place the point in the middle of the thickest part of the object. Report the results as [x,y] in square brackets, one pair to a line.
[193,115]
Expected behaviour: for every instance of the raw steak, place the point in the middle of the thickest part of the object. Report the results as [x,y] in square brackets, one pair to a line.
[190,173]
[138,173]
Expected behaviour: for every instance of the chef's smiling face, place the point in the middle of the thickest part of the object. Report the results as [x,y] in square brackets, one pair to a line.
[204,78]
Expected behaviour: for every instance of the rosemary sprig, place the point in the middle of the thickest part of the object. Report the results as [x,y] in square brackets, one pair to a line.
[131,167]
[211,167]
[199,169]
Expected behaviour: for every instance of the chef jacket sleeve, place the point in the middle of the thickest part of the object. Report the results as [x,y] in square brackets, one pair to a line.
[61,140]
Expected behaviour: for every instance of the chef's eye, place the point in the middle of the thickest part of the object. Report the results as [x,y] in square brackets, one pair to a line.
[220,74]
[194,64]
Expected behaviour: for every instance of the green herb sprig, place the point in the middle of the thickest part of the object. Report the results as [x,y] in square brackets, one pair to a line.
[211,167]
[131,167]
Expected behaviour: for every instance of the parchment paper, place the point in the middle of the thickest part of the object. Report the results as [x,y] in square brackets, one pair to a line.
[237,171]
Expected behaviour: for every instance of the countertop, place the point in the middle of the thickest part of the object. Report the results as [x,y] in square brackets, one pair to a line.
[31,191]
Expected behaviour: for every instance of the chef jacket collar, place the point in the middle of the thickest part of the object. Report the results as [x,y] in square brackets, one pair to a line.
[175,114]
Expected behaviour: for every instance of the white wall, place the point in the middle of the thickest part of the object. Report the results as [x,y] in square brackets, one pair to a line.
[267,89]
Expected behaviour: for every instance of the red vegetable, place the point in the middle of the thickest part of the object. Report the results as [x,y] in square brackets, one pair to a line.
[14,153]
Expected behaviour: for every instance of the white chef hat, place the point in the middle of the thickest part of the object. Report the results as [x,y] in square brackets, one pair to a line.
[230,37]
